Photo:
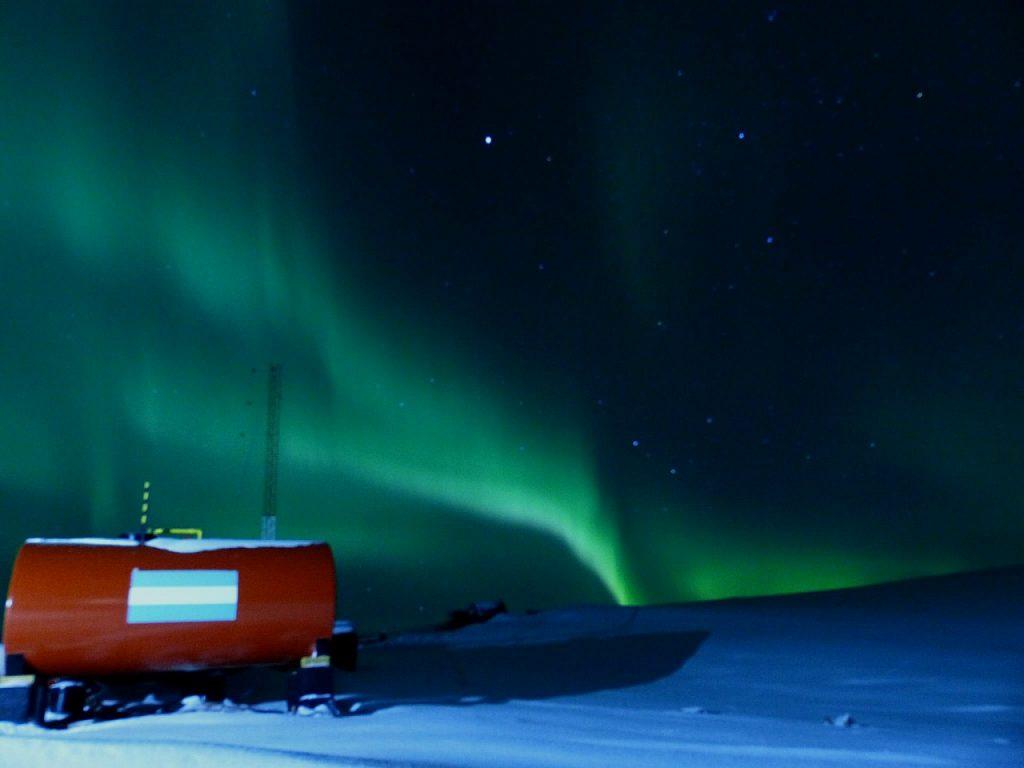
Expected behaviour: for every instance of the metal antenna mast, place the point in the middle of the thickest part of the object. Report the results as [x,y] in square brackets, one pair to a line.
[268,527]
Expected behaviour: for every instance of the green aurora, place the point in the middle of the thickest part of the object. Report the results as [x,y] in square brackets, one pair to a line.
[162,243]
[156,272]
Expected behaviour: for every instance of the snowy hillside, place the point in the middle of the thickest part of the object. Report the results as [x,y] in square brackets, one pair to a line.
[924,673]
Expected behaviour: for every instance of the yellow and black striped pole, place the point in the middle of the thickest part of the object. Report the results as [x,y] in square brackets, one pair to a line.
[144,518]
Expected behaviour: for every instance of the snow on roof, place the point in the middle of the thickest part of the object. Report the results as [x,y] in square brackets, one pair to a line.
[178,545]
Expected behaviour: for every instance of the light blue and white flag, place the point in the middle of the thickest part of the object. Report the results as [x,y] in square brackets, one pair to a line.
[161,597]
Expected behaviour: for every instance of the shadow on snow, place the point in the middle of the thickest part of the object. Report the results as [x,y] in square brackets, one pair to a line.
[396,673]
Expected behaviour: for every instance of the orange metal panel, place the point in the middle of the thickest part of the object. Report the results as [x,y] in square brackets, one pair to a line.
[67,608]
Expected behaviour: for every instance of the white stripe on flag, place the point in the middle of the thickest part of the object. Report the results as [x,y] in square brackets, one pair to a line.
[183,596]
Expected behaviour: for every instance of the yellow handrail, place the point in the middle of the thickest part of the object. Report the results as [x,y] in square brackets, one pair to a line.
[194,532]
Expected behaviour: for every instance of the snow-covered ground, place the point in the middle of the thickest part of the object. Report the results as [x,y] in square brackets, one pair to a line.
[924,673]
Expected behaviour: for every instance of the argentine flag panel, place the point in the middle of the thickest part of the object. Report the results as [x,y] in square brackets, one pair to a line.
[161,597]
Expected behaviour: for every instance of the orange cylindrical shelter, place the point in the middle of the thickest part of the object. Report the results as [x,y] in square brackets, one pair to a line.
[91,607]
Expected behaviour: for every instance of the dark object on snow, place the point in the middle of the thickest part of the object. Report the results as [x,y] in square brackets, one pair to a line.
[312,684]
[16,698]
[18,689]
[58,702]
[475,613]
[344,650]
[61,702]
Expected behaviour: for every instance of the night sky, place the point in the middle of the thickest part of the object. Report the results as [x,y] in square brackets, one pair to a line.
[575,302]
